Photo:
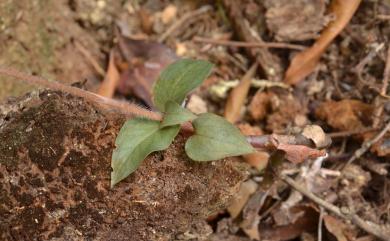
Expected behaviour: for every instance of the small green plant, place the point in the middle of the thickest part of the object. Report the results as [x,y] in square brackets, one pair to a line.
[214,137]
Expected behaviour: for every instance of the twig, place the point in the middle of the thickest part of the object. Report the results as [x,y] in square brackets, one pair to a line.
[268,141]
[182,20]
[367,145]
[270,63]
[107,104]
[350,133]
[369,227]
[360,66]
[249,44]
[379,100]
[321,218]
[383,17]
[90,59]
[386,74]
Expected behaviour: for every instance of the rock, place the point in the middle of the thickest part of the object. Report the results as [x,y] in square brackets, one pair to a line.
[55,153]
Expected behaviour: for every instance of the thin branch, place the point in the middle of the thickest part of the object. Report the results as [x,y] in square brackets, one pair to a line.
[369,227]
[383,17]
[341,134]
[267,141]
[386,74]
[275,45]
[90,58]
[367,145]
[183,20]
[320,221]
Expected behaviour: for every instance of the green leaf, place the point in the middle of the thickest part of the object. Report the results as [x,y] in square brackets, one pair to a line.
[215,138]
[178,79]
[137,139]
[176,115]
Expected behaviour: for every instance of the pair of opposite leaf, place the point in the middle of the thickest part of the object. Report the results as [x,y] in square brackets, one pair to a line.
[214,137]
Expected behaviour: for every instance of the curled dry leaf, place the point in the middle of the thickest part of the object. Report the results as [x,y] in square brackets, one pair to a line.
[317,135]
[108,86]
[297,153]
[305,62]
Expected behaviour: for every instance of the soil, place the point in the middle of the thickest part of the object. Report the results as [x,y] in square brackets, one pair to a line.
[55,179]
[44,37]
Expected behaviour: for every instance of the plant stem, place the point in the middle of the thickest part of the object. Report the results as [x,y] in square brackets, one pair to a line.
[128,109]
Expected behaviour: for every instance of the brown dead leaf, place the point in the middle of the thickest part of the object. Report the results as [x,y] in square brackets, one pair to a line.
[260,105]
[108,86]
[305,62]
[145,62]
[306,222]
[240,199]
[336,227]
[317,135]
[297,153]
[345,115]
[250,213]
[238,96]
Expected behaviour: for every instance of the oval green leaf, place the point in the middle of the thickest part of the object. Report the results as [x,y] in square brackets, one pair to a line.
[176,115]
[178,79]
[215,138]
[138,138]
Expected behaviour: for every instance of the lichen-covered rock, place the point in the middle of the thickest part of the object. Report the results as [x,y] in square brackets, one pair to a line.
[55,153]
